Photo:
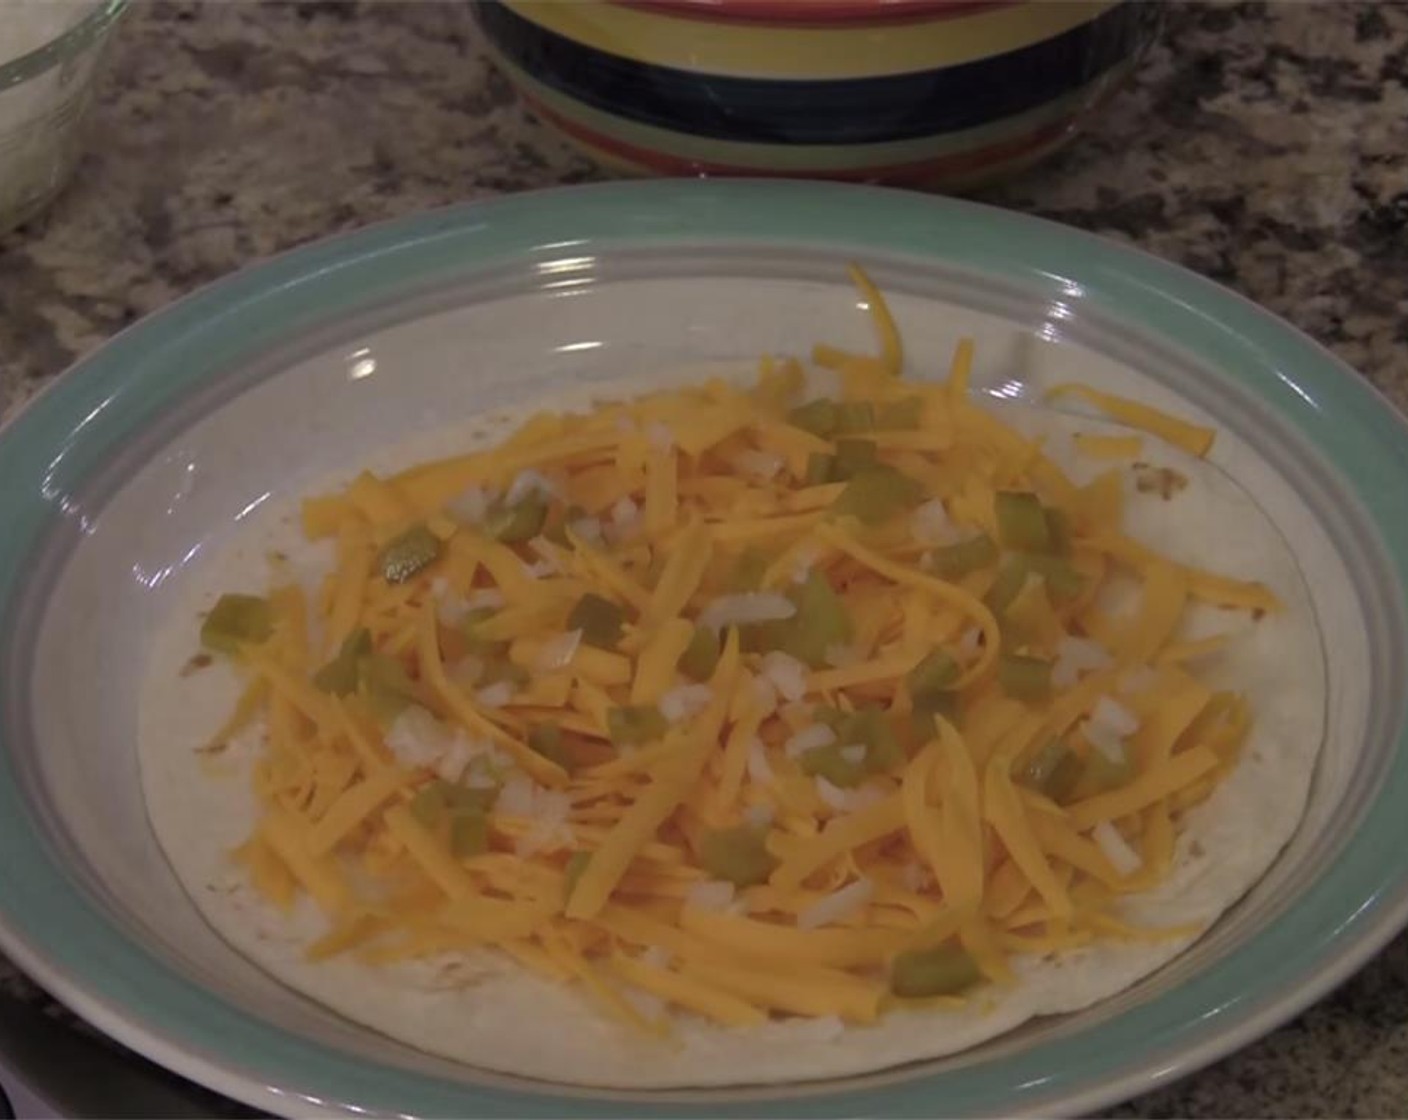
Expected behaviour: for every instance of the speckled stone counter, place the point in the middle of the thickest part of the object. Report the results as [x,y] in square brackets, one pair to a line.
[1265,146]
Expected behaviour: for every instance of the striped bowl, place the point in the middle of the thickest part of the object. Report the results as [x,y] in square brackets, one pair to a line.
[939,93]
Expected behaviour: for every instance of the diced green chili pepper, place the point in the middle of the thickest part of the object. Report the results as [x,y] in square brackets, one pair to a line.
[820,622]
[701,655]
[1053,771]
[546,739]
[1021,521]
[954,561]
[576,864]
[475,642]
[877,493]
[905,414]
[922,723]
[932,678]
[635,724]
[852,455]
[832,717]
[821,469]
[437,798]
[942,971]
[411,552]
[855,416]
[235,620]
[385,684]
[1024,678]
[748,569]
[1106,773]
[428,805]
[817,417]
[868,725]
[1063,582]
[828,762]
[1011,578]
[1058,529]
[600,620]
[469,834]
[466,799]
[519,522]
[557,531]
[736,855]
[339,675]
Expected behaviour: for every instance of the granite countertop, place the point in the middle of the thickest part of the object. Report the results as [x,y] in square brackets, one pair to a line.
[1264,145]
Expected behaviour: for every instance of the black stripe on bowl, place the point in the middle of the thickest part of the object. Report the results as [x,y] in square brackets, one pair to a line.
[841,111]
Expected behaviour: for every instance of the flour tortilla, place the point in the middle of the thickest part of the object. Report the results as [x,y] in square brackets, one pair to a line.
[482,1009]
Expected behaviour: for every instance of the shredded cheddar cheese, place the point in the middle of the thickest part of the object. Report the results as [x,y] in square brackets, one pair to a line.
[674,696]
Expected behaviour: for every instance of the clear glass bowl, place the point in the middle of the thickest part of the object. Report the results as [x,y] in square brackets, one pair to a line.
[45,94]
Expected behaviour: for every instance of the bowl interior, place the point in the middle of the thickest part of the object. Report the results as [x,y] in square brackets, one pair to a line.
[324,397]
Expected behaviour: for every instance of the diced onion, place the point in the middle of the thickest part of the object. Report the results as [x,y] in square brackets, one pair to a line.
[914,876]
[495,695]
[853,752]
[809,739]
[837,906]
[802,564]
[1114,717]
[417,738]
[764,695]
[624,515]
[657,956]
[758,816]
[685,700]
[516,797]
[449,611]
[1136,680]
[1106,742]
[557,652]
[930,524]
[786,674]
[713,894]
[546,810]
[485,599]
[746,607]
[455,761]
[1075,657]
[833,795]
[588,529]
[469,505]
[528,483]
[1124,859]
[467,670]
[759,769]
[761,465]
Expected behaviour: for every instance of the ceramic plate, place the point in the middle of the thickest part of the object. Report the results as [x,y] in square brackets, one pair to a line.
[146,458]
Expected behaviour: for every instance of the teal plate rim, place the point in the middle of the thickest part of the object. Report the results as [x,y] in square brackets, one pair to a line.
[51,928]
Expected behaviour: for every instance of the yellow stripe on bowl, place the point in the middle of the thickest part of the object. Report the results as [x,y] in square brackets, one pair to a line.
[740,50]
